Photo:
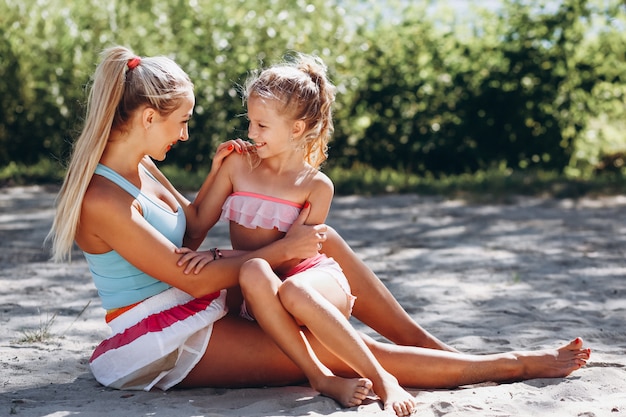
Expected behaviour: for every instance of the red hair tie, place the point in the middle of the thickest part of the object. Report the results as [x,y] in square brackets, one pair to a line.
[133,62]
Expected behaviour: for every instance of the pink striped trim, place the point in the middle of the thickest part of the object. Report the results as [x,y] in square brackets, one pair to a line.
[154,323]
[268,198]
[304,265]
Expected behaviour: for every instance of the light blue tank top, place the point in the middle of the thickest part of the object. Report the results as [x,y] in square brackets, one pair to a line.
[118,282]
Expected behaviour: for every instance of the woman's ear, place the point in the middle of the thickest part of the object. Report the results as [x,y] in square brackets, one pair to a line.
[148,117]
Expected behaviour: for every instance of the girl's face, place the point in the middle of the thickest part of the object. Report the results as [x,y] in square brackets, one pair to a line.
[172,128]
[270,131]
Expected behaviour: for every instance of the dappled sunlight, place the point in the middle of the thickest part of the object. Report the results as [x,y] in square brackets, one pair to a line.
[535,269]
[528,274]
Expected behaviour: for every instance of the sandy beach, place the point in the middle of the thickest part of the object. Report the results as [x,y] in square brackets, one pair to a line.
[527,273]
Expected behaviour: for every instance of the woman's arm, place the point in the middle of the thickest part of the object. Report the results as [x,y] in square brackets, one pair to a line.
[110,217]
[320,199]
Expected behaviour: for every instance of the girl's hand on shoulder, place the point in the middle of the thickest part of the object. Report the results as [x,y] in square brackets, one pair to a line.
[193,261]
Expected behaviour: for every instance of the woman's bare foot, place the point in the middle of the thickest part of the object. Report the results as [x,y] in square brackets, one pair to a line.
[349,392]
[394,397]
[553,363]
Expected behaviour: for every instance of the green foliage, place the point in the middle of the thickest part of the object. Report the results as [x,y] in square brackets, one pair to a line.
[423,92]
[516,91]
[46,171]
[491,185]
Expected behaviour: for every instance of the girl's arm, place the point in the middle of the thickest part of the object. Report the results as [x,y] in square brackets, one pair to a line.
[238,146]
[208,205]
[198,223]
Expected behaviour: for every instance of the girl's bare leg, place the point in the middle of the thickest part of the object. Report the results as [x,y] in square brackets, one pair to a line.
[317,301]
[375,305]
[260,287]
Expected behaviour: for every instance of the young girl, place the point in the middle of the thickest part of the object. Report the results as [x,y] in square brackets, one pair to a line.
[290,122]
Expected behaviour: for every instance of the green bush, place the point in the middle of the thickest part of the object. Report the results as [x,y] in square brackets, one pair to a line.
[536,85]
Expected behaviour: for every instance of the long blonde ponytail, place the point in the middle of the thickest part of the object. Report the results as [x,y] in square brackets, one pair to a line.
[121,84]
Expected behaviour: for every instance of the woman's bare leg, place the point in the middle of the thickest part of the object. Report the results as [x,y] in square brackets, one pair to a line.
[430,368]
[240,354]
[375,306]
[260,288]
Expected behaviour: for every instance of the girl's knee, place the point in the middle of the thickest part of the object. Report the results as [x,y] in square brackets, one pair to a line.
[254,265]
[254,272]
[293,294]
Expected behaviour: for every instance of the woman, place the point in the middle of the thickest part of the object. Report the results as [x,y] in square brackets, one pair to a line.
[170,328]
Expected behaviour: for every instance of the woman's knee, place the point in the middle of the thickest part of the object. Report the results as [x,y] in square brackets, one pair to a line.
[332,239]
[336,247]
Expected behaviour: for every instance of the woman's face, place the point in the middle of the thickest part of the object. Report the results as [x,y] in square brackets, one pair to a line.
[172,128]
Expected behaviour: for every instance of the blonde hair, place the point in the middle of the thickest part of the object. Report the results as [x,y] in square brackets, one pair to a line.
[304,92]
[122,84]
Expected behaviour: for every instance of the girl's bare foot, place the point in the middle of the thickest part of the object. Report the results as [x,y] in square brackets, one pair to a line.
[349,392]
[394,397]
[553,363]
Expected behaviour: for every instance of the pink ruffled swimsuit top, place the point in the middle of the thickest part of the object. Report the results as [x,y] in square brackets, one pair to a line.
[253,210]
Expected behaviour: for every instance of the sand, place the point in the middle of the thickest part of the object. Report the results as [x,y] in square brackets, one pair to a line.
[527,273]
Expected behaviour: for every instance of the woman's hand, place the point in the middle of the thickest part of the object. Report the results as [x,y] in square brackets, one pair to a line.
[305,241]
[194,260]
[226,148]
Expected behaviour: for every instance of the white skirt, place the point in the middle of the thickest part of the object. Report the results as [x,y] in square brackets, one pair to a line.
[157,342]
